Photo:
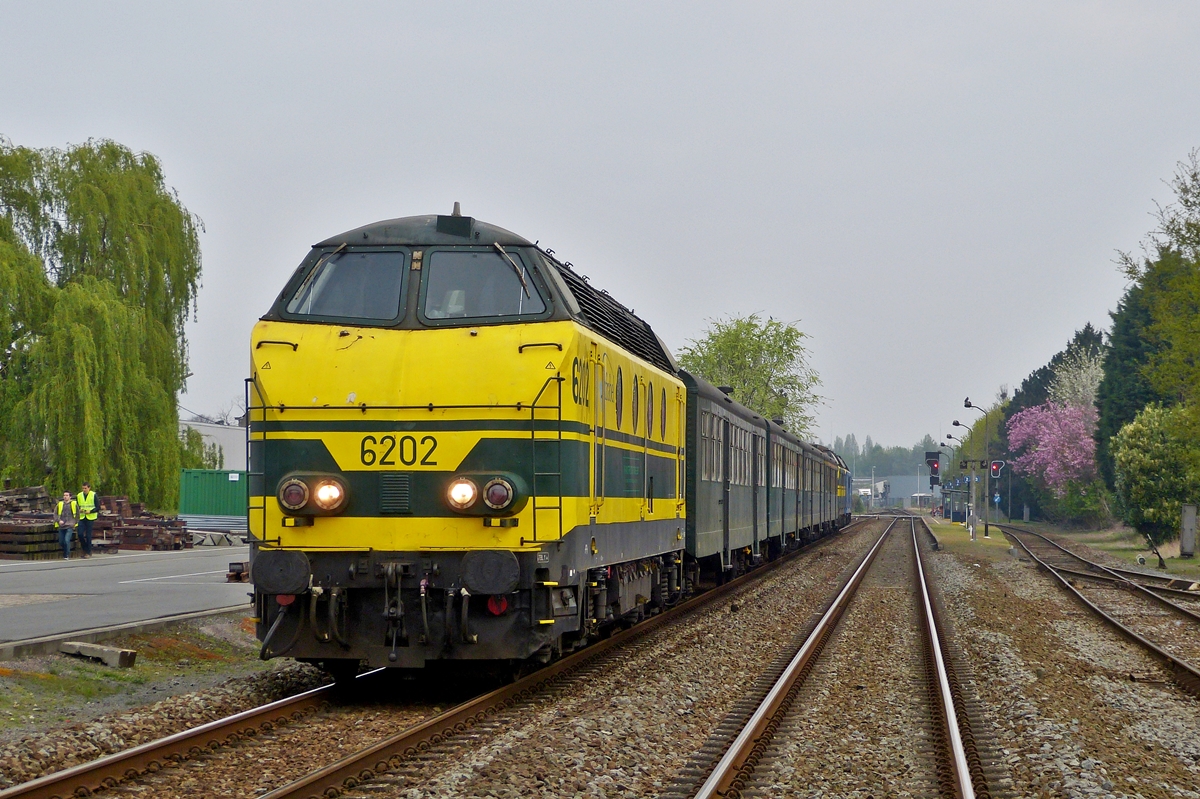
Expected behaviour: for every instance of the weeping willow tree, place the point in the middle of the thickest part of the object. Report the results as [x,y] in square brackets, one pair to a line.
[99,267]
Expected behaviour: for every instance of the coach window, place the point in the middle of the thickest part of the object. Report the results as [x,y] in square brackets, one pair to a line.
[360,286]
[470,285]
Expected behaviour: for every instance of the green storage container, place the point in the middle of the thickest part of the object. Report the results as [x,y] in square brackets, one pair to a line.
[212,492]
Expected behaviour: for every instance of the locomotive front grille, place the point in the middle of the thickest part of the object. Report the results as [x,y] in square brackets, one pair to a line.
[395,492]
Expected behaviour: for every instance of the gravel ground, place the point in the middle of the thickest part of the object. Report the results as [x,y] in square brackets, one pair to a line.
[42,753]
[1067,717]
[254,766]
[861,724]
[623,729]
[46,693]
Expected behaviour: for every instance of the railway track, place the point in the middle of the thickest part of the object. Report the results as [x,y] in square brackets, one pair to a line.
[109,771]
[114,771]
[1133,603]
[765,745]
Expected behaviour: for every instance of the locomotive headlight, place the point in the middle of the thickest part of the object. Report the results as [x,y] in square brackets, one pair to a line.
[461,494]
[293,494]
[329,495]
[498,494]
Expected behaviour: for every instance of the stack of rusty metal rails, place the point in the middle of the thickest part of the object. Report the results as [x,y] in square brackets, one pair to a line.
[127,525]
[152,533]
[27,530]
[28,539]
[29,498]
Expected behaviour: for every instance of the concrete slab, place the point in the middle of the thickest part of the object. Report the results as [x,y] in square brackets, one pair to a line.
[109,655]
[47,598]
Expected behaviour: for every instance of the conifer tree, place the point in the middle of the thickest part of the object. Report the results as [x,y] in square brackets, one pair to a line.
[1125,389]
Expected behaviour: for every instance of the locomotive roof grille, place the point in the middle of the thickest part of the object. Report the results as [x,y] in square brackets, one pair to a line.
[613,320]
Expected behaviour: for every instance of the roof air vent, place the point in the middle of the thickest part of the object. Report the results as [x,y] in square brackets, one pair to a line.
[726,390]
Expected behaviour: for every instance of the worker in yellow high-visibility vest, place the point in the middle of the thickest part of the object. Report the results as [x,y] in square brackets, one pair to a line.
[89,511]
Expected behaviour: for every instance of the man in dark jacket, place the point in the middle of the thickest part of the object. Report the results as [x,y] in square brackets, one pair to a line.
[65,515]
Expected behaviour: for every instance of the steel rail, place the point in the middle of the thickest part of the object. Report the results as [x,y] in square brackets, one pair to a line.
[727,770]
[1185,674]
[958,755]
[362,766]
[110,770]
[1145,591]
[1121,579]
[1112,569]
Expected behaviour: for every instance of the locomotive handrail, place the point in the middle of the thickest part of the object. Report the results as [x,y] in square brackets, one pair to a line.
[428,406]
[291,344]
[557,380]
[540,344]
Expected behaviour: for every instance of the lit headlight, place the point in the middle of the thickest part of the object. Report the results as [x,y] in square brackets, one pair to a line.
[498,494]
[329,495]
[293,494]
[461,494]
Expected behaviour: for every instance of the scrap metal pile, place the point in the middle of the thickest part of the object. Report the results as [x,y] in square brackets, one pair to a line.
[27,530]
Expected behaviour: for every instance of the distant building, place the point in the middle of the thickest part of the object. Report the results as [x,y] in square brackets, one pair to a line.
[230,438]
[907,490]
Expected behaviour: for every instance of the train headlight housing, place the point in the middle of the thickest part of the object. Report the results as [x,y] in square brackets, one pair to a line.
[293,494]
[461,493]
[498,494]
[329,495]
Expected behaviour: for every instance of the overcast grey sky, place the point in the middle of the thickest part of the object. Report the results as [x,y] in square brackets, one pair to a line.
[909,181]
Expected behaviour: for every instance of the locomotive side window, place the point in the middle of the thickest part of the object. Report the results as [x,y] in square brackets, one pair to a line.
[465,284]
[352,285]
[662,418]
[650,411]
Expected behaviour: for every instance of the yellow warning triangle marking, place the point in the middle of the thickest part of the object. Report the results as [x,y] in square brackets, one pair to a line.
[266,365]
[550,365]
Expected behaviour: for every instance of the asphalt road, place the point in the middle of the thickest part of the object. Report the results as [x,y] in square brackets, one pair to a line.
[47,597]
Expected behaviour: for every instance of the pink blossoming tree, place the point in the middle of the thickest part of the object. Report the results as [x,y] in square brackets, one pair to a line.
[1056,444]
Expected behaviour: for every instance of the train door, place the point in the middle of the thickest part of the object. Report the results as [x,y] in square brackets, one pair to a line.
[647,431]
[754,491]
[726,444]
[808,493]
[599,423]
[680,459]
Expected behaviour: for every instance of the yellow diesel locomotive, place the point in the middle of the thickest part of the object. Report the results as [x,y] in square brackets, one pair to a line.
[461,450]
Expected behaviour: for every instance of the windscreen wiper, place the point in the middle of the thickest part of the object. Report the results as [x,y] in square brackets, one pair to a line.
[520,272]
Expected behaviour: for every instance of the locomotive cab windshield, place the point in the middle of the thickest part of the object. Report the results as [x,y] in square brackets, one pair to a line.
[477,284]
[364,284]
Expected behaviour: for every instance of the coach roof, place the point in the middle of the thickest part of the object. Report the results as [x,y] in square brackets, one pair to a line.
[430,230]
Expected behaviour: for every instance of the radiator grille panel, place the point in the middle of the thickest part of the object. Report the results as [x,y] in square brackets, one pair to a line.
[395,492]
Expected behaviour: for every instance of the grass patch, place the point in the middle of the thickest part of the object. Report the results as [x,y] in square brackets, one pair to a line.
[47,690]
